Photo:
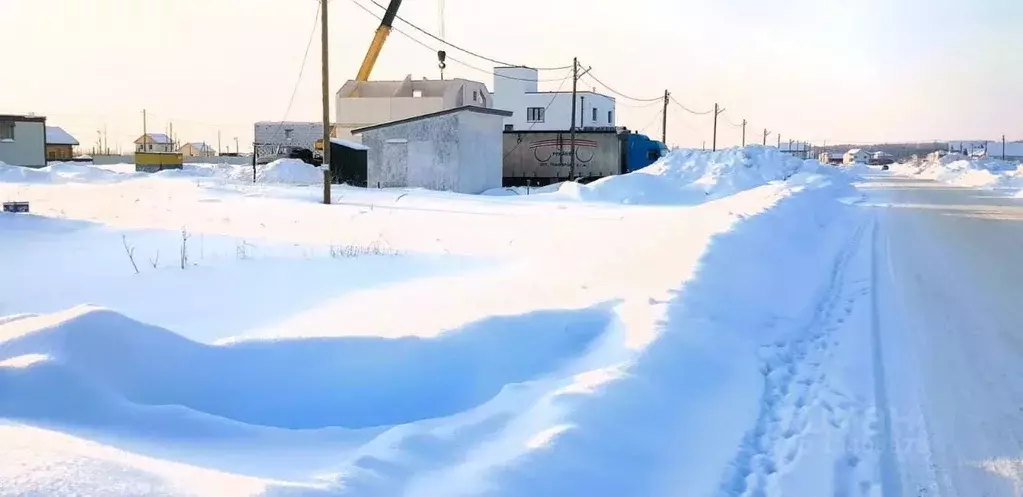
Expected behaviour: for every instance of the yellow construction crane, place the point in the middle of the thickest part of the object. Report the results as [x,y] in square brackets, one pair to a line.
[378,41]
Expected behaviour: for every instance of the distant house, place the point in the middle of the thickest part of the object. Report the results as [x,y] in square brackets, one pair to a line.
[856,156]
[196,150]
[830,158]
[60,145]
[23,140]
[154,142]
[881,158]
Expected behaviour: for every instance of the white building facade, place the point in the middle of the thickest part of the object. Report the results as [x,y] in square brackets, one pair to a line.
[276,138]
[856,156]
[516,90]
[23,140]
[368,103]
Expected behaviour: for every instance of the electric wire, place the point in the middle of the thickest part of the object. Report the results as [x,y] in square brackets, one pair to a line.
[452,59]
[456,47]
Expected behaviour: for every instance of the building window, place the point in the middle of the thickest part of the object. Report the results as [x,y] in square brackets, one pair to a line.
[475,95]
[51,154]
[609,120]
[594,114]
[535,114]
[6,130]
[417,93]
[287,133]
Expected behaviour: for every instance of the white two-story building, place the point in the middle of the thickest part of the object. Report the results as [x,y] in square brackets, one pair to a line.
[516,90]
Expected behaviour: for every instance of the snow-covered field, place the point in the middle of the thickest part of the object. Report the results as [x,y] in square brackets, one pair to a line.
[695,328]
[959,170]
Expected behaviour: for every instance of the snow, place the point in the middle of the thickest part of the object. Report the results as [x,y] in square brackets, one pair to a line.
[690,177]
[57,136]
[960,170]
[192,332]
[349,144]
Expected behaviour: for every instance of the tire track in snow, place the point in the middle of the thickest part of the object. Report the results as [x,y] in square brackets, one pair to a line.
[890,480]
[795,364]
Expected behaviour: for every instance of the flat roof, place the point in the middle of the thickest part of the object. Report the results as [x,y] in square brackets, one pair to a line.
[466,108]
[21,117]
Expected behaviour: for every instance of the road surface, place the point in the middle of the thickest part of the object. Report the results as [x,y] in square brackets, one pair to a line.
[948,276]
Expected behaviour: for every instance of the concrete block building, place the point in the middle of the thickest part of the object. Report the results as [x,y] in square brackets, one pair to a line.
[367,103]
[458,150]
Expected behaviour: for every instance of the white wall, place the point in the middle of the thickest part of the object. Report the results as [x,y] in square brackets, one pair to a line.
[480,152]
[355,112]
[29,145]
[269,134]
[558,113]
[460,152]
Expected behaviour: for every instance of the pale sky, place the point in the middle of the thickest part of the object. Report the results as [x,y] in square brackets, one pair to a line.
[835,70]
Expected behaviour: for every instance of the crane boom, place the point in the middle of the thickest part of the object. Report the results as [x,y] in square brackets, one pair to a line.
[378,41]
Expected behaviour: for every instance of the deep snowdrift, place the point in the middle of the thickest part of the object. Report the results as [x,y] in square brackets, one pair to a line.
[99,367]
[675,350]
[686,177]
[963,171]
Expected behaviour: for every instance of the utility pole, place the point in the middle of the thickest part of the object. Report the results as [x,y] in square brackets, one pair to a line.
[743,132]
[714,142]
[145,134]
[325,64]
[575,82]
[664,119]
[106,145]
[219,150]
[170,135]
[766,134]
[1003,147]
[236,147]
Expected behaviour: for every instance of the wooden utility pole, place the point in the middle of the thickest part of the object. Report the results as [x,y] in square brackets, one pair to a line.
[779,140]
[237,151]
[664,119]
[325,89]
[575,82]
[743,132]
[145,133]
[219,150]
[766,133]
[714,140]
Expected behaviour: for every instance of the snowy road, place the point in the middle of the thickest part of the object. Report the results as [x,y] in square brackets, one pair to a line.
[949,316]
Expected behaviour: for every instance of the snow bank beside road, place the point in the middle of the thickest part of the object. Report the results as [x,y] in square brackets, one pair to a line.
[959,170]
[688,177]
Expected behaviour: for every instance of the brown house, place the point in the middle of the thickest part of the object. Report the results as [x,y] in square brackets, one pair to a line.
[59,144]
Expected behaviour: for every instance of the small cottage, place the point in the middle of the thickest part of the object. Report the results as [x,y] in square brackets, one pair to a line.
[60,145]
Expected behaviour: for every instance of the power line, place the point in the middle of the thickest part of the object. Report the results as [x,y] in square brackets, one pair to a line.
[452,59]
[549,104]
[301,70]
[456,47]
[620,94]
[687,109]
[652,121]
